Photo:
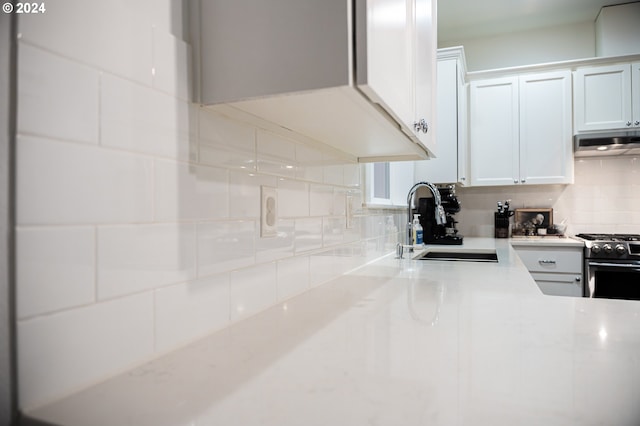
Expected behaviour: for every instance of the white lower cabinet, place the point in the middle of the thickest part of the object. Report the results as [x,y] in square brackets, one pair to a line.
[556,270]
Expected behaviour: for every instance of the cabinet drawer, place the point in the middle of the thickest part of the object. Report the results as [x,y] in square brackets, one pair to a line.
[552,259]
[559,284]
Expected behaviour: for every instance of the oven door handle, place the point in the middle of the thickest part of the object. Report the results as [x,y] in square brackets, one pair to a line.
[616,265]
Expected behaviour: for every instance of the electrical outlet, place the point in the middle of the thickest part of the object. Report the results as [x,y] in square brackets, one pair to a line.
[268,212]
[349,211]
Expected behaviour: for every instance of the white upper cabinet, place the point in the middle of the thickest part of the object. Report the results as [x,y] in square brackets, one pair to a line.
[494,150]
[607,97]
[425,91]
[450,165]
[351,74]
[521,130]
[546,150]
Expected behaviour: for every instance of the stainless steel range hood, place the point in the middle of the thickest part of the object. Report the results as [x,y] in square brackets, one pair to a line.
[607,144]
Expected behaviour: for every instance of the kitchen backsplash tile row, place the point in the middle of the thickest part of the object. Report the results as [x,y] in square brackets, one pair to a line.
[66,110]
[604,198]
[139,212]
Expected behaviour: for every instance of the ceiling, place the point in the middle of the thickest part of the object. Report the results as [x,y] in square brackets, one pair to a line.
[464,19]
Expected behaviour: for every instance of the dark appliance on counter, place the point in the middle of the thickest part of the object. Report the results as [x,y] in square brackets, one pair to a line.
[445,234]
[612,265]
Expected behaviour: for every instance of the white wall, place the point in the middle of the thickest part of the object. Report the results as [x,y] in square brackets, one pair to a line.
[576,41]
[138,211]
[617,30]
[604,198]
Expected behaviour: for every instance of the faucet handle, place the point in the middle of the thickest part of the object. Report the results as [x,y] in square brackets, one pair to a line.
[399,251]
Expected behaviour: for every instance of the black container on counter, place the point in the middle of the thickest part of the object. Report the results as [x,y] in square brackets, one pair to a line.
[501,221]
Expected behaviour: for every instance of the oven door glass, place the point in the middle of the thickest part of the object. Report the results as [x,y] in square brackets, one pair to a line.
[615,281]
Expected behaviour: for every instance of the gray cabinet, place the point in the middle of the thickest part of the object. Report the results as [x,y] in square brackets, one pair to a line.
[356,76]
[556,270]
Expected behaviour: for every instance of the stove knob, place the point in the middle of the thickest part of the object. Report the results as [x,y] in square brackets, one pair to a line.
[620,249]
[607,248]
[595,249]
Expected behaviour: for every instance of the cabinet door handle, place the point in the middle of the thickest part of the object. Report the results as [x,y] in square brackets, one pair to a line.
[523,180]
[628,123]
[578,279]
[547,262]
[515,181]
[421,126]
[637,122]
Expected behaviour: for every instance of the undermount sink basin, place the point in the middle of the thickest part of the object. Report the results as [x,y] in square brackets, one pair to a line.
[461,255]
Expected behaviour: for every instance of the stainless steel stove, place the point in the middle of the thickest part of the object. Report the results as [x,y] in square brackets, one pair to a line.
[612,265]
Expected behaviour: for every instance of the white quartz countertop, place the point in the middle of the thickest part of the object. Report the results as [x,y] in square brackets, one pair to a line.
[398,342]
[549,240]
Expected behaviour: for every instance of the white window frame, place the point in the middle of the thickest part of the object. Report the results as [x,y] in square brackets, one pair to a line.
[401,178]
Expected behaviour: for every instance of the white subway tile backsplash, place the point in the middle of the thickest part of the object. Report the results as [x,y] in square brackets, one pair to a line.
[171,64]
[58,97]
[244,193]
[55,269]
[252,290]
[355,232]
[308,234]
[278,247]
[276,154]
[134,258]
[339,201]
[309,164]
[333,231]
[352,175]
[113,36]
[225,246]
[186,192]
[186,311]
[293,198]
[293,277]
[321,200]
[334,174]
[226,143]
[63,352]
[140,119]
[68,183]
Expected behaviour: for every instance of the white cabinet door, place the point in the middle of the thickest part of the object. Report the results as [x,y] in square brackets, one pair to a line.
[425,72]
[443,168]
[521,130]
[635,95]
[389,57]
[602,97]
[546,154]
[494,149]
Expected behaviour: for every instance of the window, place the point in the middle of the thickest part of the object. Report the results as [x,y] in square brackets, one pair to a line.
[387,184]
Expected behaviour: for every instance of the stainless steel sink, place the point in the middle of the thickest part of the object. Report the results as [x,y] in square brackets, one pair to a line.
[460,255]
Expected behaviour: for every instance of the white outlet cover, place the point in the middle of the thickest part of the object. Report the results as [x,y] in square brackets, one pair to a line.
[349,211]
[268,211]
